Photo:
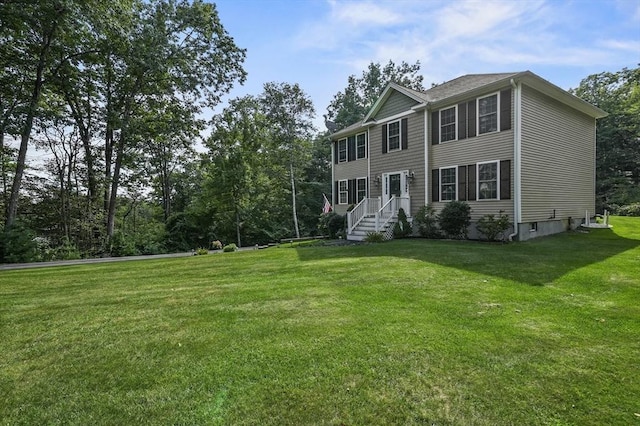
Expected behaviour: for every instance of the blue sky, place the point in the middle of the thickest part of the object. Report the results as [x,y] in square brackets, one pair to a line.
[319,43]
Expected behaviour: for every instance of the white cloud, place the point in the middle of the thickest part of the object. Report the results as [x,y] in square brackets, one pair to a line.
[366,14]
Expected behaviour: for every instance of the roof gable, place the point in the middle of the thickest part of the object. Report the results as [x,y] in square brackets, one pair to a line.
[388,91]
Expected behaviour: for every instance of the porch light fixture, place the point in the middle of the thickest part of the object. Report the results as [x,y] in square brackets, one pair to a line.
[411,176]
[378,180]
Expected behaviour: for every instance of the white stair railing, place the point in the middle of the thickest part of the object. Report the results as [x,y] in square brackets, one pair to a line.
[389,210]
[367,206]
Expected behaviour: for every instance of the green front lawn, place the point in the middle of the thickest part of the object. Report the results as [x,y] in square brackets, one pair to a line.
[406,332]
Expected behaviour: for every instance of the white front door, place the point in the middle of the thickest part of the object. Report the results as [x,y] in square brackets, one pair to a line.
[395,183]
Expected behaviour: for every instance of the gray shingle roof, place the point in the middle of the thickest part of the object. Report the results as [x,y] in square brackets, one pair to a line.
[463,84]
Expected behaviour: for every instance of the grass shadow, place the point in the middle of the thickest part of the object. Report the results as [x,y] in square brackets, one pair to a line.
[535,262]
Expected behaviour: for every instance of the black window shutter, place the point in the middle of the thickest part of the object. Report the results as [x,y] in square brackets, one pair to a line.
[335,149]
[404,125]
[435,185]
[471,119]
[336,197]
[505,180]
[351,148]
[435,127]
[462,121]
[505,109]
[384,138]
[471,180]
[462,183]
[352,191]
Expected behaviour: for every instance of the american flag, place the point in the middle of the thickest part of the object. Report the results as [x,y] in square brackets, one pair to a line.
[326,208]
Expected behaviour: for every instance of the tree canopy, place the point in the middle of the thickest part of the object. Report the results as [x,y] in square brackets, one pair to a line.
[351,104]
[618,136]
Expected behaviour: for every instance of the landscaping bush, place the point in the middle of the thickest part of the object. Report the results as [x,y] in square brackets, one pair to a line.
[454,219]
[493,228]
[216,245]
[374,237]
[332,225]
[229,248]
[201,251]
[402,228]
[427,222]
[629,210]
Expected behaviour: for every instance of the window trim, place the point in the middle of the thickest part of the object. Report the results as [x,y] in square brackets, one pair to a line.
[455,184]
[497,164]
[497,95]
[455,123]
[358,199]
[345,192]
[364,135]
[346,154]
[399,148]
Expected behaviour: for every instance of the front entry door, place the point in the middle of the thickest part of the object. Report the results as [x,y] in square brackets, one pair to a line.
[394,184]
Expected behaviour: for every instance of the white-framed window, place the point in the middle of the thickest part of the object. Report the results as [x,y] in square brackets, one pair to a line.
[448,124]
[343,192]
[488,114]
[393,135]
[488,179]
[448,183]
[342,150]
[361,188]
[361,146]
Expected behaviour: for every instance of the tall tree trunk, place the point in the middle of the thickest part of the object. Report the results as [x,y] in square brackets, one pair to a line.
[3,171]
[12,208]
[293,203]
[115,182]
[238,226]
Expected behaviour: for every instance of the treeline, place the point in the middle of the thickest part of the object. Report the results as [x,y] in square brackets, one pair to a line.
[106,98]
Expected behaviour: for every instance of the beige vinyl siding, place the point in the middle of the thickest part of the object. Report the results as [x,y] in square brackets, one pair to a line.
[487,147]
[410,159]
[558,159]
[396,104]
[351,169]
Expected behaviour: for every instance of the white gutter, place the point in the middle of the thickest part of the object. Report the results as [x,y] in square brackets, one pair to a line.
[517,157]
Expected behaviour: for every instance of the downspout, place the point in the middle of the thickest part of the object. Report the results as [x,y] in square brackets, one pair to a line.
[368,165]
[426,159]
[333,176]
[517,157]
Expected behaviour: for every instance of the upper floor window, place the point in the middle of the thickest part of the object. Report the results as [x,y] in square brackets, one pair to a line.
[448,184]
[488,114]
[361,146]
[448,124]
[393,135]
[475,117]
[342,150]
[488,181]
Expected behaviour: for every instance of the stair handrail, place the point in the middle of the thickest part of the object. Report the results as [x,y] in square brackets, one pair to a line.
[355,216]
[380,214]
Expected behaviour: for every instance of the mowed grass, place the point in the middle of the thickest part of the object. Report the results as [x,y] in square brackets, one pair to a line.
[545,332]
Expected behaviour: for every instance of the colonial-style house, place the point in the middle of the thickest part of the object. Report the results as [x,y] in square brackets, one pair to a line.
[510,143]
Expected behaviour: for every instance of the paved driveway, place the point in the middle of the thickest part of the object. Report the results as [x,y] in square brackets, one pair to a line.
[7,266]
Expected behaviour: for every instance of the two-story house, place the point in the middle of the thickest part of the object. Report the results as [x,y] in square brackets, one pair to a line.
[509,143]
